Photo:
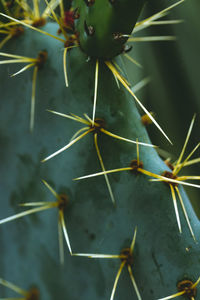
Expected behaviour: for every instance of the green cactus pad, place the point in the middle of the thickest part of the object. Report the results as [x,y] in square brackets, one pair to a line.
[29,246]
[101,25]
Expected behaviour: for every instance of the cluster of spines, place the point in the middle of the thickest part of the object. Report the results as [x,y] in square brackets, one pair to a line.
[136,165]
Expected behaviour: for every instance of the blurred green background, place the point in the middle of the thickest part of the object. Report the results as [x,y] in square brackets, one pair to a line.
[174,89]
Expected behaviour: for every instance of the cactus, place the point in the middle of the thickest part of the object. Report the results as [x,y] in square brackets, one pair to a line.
[105,39]
[90,209]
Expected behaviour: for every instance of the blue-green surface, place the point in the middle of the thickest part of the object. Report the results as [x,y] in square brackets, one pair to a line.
[29,246]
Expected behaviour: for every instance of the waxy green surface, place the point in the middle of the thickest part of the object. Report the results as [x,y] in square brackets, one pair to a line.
[29,246]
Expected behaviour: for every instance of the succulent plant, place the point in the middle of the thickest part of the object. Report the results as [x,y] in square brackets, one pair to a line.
[89,208]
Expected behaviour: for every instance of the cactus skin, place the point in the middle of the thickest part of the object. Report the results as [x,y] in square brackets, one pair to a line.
[99,34]
[94,224]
